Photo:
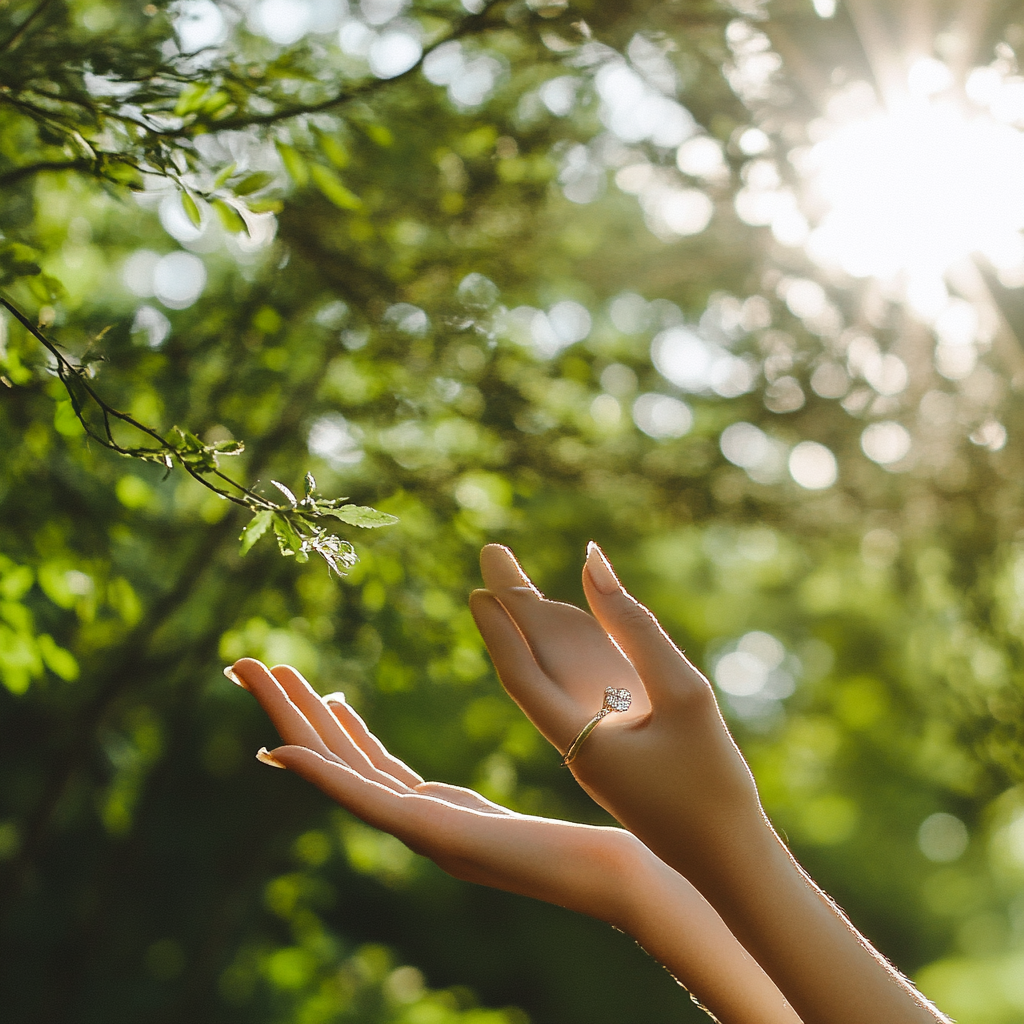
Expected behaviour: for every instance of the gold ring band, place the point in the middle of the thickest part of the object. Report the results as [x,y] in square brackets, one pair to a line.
[615,699]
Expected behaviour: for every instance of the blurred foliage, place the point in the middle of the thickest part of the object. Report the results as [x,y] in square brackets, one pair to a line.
[422,251]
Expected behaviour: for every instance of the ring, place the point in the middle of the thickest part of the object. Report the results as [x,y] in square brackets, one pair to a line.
[614,700]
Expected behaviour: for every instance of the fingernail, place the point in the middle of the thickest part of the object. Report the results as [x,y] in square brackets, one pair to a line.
[528,584]
[335,698]
[267,757]
[234,677]
[600,571]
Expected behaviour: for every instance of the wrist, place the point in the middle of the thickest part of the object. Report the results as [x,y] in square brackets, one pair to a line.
[626,874]
[728,855]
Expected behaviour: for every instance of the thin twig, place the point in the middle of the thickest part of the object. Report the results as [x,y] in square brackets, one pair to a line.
[22,29]
[164,452]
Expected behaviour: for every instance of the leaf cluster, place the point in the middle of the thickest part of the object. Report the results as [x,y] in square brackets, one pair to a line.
[299,532]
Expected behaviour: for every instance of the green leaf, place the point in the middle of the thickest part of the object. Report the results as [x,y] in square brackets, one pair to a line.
[188,204]
[331,186]
[191,98]
[218,101]
[14,269]
[253,183]
[310,484]
[266,206]
[59,661]
[286,492]
[123,174]
[224,174]
[256,527]
[231,220]
[289,542]
[188,443]
[17,615]
[293,162]
[363,515]
[45,288]
[65,420]
[16,583]
[379,134]
[333,148]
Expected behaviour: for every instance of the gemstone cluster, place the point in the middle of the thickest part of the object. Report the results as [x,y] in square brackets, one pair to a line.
[616,699]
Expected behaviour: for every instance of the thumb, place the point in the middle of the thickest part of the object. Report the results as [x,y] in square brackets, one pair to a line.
[666,672]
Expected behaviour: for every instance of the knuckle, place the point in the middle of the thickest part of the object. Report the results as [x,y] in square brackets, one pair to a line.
[693,694]
[635,616]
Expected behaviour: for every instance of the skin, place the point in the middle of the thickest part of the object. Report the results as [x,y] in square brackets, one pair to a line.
[606,873]
[671,773]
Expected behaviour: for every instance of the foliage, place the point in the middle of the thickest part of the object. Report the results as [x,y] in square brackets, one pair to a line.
[441,289]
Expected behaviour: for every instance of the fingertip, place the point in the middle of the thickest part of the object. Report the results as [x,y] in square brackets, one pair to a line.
[243,664]
[245,671]
[501,569]
[481,596]
[266,757]
[335,698]
[489,550]
[287,670]
[492,554]
[600,571]
[231,674]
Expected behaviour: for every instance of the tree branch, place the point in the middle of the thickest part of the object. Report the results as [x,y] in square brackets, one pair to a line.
[17,174]
[22,30]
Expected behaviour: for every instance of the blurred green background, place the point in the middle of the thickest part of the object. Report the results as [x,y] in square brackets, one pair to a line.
[531,272]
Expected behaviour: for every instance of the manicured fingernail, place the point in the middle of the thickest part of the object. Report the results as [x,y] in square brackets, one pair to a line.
[335,698]
[267,757]
[528,584]
[234,677]
[600,571]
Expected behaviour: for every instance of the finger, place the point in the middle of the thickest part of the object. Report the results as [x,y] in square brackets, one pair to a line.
[462,797]
[372,747]
[664,669]
[288,719]
[506,580]
[326,724]
[569,645]
[375,803]
[501,569]
[545,703]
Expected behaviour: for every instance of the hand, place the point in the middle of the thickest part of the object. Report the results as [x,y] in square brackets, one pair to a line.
[669,770]
[604,872]
[468,836]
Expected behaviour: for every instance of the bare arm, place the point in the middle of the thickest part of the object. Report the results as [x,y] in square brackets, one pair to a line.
[606,873]
[669,770]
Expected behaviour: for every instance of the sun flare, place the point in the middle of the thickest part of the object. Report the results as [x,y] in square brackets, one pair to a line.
[912,189]
[917,189]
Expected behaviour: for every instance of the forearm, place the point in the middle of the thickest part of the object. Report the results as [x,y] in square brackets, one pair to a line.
[610,875]
[673,922]
[828,971]
[669,771]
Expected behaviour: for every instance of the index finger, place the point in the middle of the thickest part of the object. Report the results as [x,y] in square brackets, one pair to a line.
[570,646]
[545,703]
[292,725]
[667,673]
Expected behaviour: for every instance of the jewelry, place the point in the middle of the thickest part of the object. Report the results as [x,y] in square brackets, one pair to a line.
[614,700]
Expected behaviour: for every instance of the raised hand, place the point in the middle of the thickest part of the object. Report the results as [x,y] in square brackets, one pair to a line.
[669,770]
[604,872]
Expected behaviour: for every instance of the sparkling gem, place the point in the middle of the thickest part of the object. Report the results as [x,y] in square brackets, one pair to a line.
[617,700]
